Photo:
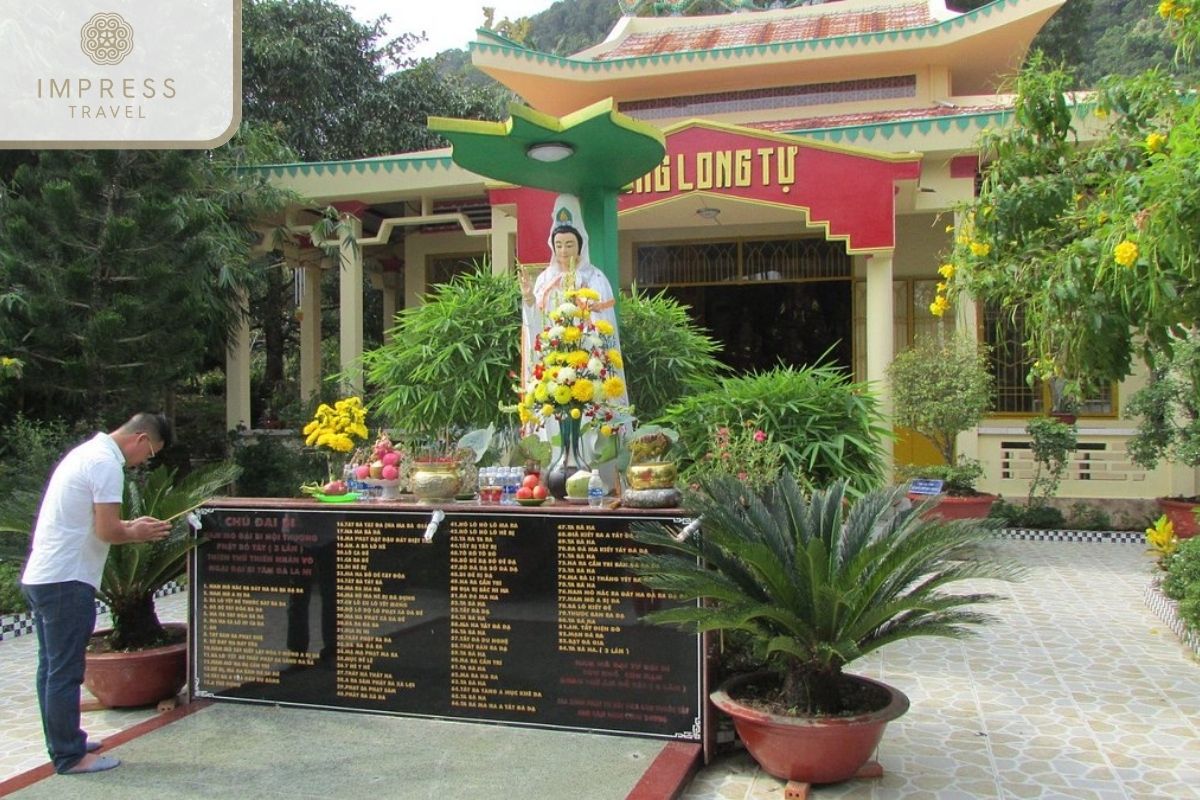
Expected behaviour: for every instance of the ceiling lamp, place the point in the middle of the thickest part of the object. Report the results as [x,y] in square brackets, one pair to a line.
[708,212]
[549,152]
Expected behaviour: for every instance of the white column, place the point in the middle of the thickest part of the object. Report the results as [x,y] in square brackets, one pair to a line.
[237,370]
[966,322]
[350,327]
[310,331]
[504,228]
[880,315]
[388,284]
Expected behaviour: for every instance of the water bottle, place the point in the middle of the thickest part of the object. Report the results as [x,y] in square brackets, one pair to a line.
[596,489]
[512,482]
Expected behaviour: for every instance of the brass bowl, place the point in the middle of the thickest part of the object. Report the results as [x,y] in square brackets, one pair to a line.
[435,481]
[652,475]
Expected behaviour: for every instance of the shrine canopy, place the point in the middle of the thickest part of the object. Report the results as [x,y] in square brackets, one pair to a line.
[592,153]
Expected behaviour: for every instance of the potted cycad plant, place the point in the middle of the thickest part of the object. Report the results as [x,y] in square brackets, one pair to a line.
[140,661]
[814,583]
[941,387]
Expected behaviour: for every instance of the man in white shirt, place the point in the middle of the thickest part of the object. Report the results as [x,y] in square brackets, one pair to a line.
[80,517]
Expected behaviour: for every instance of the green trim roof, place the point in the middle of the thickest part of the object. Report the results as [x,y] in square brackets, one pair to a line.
[388,164]
[833,43]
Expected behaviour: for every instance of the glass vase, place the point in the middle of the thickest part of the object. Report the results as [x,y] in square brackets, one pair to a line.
[569,459]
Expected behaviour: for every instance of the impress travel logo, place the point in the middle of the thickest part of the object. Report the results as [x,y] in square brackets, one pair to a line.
[119,73]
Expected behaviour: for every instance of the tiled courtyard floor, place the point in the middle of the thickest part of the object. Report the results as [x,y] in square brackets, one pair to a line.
[1077,691]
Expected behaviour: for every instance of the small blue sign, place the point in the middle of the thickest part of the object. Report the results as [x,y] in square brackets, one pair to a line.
[925,486]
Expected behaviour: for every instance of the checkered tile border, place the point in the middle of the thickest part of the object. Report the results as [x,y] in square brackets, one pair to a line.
[14,625]
[1113,537]
[1166,609]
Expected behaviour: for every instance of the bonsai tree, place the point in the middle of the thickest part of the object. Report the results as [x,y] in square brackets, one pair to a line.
[941,387]
[816,583]
[135,572]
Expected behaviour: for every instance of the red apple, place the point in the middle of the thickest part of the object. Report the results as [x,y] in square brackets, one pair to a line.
[539,492]
[524,493]
[530,481]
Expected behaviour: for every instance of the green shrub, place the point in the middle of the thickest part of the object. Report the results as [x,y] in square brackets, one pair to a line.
[667,356]
[1086,517]
[448,361]
[11,599]
[827,427]
[1182,583]
[1014,515]
[29,449]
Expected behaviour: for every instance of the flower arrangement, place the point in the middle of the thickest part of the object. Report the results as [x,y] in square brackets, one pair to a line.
[576,371]
[336,427]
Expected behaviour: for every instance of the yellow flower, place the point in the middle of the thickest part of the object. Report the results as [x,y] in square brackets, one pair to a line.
[539,393]
[571,334]
[1126,253]
[614,387]
[1155,142]
[589,294]
[941,288]
[604,327]
[562,395]
[946,271]
[939,306]
[547,410]
[614,358]
[583,390]
[949,229]
[980,249]
[524,415]
[576,413]
[1166,8]
[578,359]
[606,430]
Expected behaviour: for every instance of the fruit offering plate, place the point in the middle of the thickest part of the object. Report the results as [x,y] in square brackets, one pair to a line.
[531,501]
[348,497]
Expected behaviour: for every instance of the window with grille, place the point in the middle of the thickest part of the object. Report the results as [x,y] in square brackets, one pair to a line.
[1010,362]
[706,263]
[443,269]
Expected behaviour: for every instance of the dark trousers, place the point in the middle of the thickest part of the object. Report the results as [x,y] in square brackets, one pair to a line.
[64,615]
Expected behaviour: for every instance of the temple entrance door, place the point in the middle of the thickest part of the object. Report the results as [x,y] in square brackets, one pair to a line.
[761,325]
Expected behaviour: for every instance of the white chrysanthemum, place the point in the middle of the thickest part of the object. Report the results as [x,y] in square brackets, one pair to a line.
[556,332]
[566,310]
[595,365]
[551,387]
[592,342]
[567,375]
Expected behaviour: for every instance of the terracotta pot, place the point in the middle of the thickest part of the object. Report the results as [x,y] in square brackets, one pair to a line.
[1181,515]
[949,507]
[809,749]
[139,678]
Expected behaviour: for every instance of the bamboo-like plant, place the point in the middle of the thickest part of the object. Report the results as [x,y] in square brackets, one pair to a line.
[817,583]
[135,571]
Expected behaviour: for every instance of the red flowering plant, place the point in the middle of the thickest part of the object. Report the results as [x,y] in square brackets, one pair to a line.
[745,451]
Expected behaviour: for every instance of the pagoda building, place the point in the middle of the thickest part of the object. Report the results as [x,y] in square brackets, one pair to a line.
[814,159]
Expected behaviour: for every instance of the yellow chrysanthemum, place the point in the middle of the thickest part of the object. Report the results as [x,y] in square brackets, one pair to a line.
[524,415]
[614,358]
[1155,142]
[310,427]
[606,430]
[614,387]
[539,393]
[1166,8]
[578,359]
[980,249]
[939,306]
[311,441]
[604,327]
[583,390]
[562,395]
[576,413]
[588,294]
[946,271]
[547,410]
[1126,253]
[572,334]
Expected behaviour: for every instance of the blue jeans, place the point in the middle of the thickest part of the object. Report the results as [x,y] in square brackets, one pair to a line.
[64,615]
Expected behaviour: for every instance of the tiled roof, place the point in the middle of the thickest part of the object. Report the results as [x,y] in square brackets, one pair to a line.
[776,30]
[874,117]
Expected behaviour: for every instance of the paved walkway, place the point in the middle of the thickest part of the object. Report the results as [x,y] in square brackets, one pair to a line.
[1078,691]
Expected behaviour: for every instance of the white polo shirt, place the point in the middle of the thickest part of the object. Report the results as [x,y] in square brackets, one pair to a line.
[65,544]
